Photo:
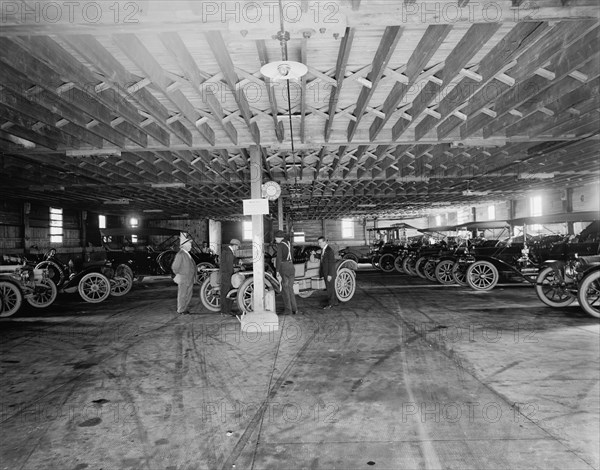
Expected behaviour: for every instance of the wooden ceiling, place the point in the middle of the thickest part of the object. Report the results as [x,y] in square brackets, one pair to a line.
[406,106]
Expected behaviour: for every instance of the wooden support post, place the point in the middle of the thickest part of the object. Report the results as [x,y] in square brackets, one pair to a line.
[266,321]
[280,213]
[26,228]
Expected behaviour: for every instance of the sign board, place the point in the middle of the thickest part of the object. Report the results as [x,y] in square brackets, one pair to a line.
[256,206]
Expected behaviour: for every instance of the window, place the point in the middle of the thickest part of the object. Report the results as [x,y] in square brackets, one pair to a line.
[347,228]
[134,239]
[102,221]
[134,222]
[247,230]
[438,220]
[56,225]
[535,206]
[299,237]
[491,212]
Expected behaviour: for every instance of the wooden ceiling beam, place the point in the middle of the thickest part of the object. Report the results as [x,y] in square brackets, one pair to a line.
[221,54]
[125,85]
[515,42]
[384,53]
[474,39]
[565,38]
[174,44]
[36,112]
[428,45]
[264,59]
[544,92]
[132,46]
[543,101]
[340,72]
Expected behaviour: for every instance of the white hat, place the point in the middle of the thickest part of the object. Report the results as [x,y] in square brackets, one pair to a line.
[184,237]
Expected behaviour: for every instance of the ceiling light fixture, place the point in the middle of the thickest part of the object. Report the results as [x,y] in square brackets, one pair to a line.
[285,70]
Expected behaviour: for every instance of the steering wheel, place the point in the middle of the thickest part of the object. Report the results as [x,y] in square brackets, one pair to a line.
[50,253]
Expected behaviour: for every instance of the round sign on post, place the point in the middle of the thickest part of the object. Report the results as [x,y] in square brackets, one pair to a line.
[271,190]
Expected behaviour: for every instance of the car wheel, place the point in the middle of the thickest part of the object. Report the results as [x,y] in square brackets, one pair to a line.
[459,273]
[589,294]
[94,288]
[201,269]
[44,294]
[120,285]
[419,265]
[124,270]
[210,295]
[386,262]
[408,264]
[429,270]
[443,272]
[398,264]
[482,276]
[345,284]
[10,299]
[551,290]
[55,273]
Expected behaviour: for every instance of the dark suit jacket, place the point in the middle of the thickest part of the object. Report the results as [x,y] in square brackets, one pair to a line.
[328,262]
[226,262]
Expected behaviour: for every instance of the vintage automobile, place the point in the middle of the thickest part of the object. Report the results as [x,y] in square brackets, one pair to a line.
[560,283]
[152,252]
[358,254]
[522,258]
[94,280]
[305,284]
[18,282]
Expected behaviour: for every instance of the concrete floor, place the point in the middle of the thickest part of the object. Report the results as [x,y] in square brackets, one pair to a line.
[405,376]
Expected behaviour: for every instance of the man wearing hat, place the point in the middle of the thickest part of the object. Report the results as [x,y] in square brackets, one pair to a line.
[285,269]
[185,272]
[226,264]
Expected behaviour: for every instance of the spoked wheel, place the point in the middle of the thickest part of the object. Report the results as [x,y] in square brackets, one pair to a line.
[55,273]
[345,284]
[589,294]
[120,285]
[551,290]
[443,272]
[398,263]
[165,260]
[386,262]
[10,299]
[375,262]
[459,273]
[44,293]
[201,268]
[210,295]
[124,270]
[245,294]
[408,264]
[419,265]
[429,270]
[482,275]
[94,287]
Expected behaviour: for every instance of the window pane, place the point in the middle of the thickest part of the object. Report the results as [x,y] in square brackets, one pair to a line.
[247,230]
[491,212]
[102,221]
[347,228]
[56,225]
[299,237]
[536,206]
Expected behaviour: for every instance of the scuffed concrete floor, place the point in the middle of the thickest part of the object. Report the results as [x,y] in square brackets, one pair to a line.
[405,376]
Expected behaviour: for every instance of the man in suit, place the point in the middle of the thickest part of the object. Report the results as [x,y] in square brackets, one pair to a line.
[185,272]
[328,272]
[226,264]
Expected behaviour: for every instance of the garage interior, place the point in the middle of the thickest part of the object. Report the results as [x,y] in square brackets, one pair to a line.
[428,113]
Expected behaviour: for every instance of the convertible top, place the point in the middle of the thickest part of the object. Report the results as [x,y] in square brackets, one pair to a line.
[584,216]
